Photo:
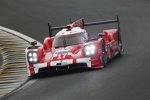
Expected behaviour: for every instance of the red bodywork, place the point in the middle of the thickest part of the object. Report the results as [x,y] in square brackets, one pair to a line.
[107,46]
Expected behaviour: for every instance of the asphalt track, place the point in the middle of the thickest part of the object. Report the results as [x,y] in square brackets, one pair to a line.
[124,78]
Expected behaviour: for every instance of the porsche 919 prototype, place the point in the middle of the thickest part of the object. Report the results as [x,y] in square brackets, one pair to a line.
[72,47]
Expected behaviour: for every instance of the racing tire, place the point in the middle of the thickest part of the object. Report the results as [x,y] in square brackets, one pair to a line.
[119,48]
[104,59]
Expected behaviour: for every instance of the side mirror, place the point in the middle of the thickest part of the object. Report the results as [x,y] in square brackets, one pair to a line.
[101,35]
[33,43]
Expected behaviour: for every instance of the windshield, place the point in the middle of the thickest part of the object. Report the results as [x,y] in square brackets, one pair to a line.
[67,40]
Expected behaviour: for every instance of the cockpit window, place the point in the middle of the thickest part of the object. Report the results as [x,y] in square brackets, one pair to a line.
[67,40]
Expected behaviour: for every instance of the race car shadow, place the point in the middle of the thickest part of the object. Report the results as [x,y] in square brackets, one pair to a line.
[49,73]
[116,60]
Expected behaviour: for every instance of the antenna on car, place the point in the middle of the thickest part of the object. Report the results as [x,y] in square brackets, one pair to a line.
[50,29]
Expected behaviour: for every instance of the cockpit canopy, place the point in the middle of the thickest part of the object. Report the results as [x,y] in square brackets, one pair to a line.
[72,37]
[67,40]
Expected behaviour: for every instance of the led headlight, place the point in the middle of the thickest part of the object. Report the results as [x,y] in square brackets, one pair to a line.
[90,50]
[32,57]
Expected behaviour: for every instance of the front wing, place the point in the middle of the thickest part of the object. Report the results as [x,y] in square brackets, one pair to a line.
[67,62]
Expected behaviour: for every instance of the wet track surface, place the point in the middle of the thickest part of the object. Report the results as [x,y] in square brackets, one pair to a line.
[124,78]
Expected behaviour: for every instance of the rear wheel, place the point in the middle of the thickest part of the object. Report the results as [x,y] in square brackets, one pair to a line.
[119,48]
[104,59]
[104,56]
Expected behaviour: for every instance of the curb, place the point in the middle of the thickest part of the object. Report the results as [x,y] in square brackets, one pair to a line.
[21,37]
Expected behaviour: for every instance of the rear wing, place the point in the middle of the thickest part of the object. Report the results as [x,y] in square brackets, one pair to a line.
[85,24]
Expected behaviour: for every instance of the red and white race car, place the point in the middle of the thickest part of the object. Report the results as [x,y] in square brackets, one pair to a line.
[72,47]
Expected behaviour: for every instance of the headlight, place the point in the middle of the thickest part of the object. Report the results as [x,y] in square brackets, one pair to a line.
[32,57]
[90,50]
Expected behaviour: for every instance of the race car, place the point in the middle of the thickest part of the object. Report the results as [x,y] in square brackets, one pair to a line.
[72,47]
